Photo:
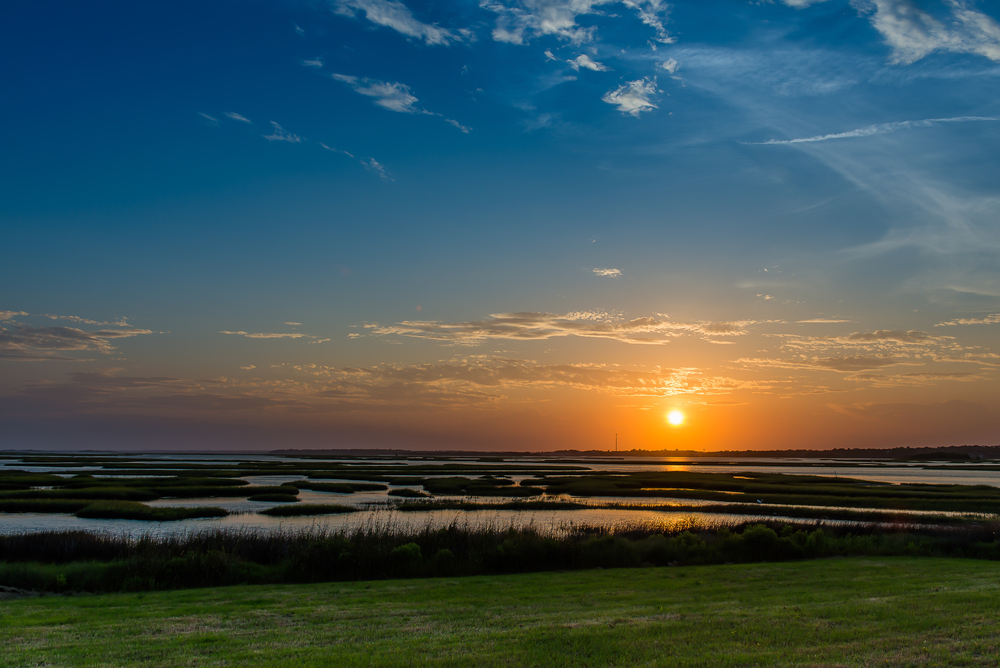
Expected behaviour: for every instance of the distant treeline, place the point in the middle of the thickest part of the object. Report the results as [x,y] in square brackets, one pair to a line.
[899,453]
[84,561]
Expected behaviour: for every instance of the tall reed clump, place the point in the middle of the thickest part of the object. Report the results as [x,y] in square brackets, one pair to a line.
[86,561]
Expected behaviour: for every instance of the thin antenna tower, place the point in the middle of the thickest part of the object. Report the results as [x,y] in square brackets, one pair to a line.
[616,441]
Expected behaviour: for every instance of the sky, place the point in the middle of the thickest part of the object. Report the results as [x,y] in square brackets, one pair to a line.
[499,225]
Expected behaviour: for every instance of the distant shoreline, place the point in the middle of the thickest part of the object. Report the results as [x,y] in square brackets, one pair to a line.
[954,452]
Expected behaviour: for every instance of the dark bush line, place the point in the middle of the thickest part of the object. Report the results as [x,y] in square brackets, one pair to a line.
[429,505]
[481,487]
[87,480]
[42,505]
[82,561]
[287,498]
[198,492]
[91,493]
[130,510]
[408,493]
[73,499]
[341,487]
[786,489]
[108,510]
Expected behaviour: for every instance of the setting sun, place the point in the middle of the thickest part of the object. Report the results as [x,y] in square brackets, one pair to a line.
[675,417]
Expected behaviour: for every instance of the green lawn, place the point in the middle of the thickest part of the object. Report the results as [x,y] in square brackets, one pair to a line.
[834,612]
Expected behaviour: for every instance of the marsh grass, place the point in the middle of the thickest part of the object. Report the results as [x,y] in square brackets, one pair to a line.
[130,510]
[308,509]
[341,487]
[380,547]
[103,493]
[42,505]
[283,498]
[97,497]
[458,485]
[775,488]
[808,513]
[408,493]
[430,505]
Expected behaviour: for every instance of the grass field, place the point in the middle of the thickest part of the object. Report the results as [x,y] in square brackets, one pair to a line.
[833,612]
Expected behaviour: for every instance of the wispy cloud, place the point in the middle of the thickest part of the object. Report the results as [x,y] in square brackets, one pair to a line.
[372,165]
[609,272]
[802,3]
[912,33]
[584,61]
[897,341]
[654,14]
[335,150]
[988,320]
[845,364]
[29,343]
[269,335]
[520,21]
[210,119]
[880,129]
[539,326]
[821,321]
[280,134]
[895,335]
[670,65]
[481,379]
[633,97]
[86,392]
[398,17]
[456,124]
[316,62]
[9,315]
[857,352]
[393,96]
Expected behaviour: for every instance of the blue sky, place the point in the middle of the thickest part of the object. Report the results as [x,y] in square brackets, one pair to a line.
[497,223]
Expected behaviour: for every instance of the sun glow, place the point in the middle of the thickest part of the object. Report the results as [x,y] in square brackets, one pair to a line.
[675,417]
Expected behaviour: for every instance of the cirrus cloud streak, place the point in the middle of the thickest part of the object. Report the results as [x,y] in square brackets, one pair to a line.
[528,326]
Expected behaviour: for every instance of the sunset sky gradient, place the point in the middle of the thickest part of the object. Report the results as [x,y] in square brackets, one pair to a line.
[500,225]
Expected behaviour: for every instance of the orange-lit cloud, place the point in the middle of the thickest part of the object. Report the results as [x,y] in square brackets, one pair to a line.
[655,330]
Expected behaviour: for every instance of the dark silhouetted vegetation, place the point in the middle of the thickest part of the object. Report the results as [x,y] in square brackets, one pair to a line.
[76,560]
[308,509]
[408,493]
[130,510]
[437,504]
[776,488]
[341,487]
[286,498]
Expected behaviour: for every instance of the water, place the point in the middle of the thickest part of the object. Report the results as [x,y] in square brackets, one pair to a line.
[375,506]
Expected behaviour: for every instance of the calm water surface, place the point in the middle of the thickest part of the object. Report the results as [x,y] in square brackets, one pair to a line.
[373,510]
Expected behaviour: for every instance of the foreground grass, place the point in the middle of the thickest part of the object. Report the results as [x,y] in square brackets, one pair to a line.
[839,612]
